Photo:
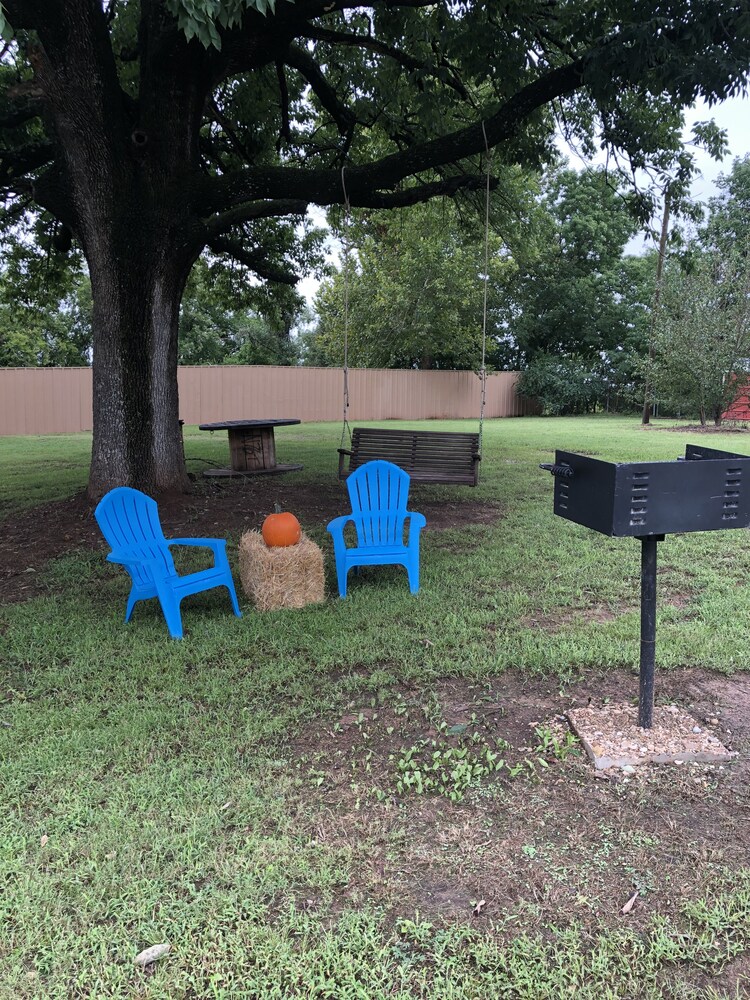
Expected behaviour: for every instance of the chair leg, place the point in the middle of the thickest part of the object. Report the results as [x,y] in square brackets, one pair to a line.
[412,570]
[233,599]
[341,574]
[132,601]
[170,607]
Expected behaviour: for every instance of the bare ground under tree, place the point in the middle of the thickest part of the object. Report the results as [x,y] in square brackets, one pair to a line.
[27,542]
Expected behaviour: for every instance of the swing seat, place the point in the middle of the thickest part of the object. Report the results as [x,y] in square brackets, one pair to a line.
[447,457]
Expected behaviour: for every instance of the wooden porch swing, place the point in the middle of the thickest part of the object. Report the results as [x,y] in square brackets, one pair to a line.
[450,458]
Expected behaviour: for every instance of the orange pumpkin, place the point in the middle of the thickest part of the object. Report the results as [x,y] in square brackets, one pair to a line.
[280,529]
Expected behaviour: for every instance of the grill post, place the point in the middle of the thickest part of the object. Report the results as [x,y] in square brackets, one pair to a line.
[648,629]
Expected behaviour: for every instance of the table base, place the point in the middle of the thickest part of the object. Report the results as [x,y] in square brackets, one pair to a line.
[235,474]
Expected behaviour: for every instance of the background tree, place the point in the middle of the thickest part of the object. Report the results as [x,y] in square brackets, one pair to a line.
[574,292]
[560,283]
[577,307]
[415,291]
[701,348]
[702,334]
[45,308]
[225,318]
[564,384]
[152,130]
[727,229]
[571,383]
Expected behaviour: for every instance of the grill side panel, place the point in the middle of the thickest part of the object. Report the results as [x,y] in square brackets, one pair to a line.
[587,497]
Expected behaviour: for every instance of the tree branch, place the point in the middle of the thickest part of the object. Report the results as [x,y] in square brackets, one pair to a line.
[15,111]
[301,60]
[375,45]
[16,163]
[25,13]
[75,33]
[365,182]
[20,186]
[229,131]
[317,8]
[256,262]
[285,131]
[219,224]
[423,192]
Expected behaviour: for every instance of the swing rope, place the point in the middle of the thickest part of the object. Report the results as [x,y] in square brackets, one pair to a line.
[347,258]
[483,369]
[347,211]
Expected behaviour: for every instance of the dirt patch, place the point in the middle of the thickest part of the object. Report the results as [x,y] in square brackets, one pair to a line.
[553,622]
[708,429]
[678,600]
[545,840]
[31,538]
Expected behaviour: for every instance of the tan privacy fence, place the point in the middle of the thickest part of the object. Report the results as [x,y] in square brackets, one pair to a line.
[59,400]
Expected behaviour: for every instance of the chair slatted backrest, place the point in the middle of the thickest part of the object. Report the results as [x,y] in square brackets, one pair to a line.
[129,520]
[379,493]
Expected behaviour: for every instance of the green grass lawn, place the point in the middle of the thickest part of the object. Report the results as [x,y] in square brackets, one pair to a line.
[236,793]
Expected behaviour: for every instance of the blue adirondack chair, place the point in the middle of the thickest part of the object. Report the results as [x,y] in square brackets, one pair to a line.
[378,492]
[129,520]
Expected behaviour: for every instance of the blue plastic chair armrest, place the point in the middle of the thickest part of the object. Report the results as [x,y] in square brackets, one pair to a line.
[210,543]
[336,526]
[417,520]
[127,557]
[218,548]
[336,529]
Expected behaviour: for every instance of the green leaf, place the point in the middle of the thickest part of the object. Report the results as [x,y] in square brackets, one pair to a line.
[6,31]
[457,730]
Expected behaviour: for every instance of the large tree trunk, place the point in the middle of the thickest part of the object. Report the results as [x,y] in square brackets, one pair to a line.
[122,182]
[138,266]
[137,439]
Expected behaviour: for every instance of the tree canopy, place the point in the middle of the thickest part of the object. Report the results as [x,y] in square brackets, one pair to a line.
[146,132]
[574,292]
[558,279]
[728,225]
[702,335]
[222,322]
[45,305]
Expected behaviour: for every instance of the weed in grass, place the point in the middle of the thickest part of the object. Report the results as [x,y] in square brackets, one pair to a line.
[643,880]
[437,767]
[559,745]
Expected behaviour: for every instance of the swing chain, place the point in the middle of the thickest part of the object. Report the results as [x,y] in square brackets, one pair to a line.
[347,257]
[483,369]
[347,220]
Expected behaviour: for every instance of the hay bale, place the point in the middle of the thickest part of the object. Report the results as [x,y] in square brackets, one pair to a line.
[288,577]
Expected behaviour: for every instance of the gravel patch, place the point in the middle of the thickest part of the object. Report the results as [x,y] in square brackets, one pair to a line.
[612,737]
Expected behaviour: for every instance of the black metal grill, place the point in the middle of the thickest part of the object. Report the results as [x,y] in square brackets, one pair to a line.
[707,490]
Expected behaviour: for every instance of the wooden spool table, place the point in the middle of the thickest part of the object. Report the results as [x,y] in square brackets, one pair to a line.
[252,449]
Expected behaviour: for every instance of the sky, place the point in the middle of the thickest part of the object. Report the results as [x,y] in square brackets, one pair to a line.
[308,286]
[732,115]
